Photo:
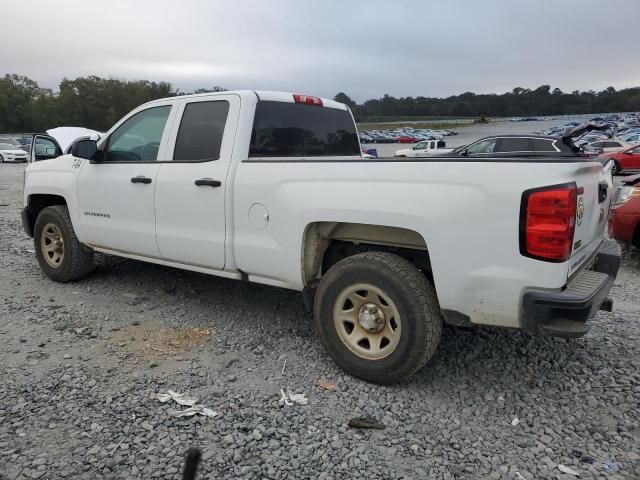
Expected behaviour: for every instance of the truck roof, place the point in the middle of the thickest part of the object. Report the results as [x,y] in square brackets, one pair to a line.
[264,95]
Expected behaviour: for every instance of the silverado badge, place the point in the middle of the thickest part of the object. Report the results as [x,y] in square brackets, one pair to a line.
[580,211]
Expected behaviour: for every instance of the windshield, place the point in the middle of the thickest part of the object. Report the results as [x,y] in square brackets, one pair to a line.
[6,146]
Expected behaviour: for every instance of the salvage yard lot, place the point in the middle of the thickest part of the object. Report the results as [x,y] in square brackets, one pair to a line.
[80,362]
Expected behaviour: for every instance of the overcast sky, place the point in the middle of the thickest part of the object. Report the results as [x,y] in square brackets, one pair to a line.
[365,48]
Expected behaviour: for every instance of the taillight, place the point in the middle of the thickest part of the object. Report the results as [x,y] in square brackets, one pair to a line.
[306,99]
[547,222]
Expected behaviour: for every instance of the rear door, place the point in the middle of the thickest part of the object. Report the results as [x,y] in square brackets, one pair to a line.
[191,188]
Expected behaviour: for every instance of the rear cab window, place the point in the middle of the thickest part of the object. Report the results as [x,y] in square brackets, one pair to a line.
[201,129]
[282,129]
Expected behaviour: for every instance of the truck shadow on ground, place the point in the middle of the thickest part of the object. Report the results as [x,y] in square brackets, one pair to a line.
[499,359]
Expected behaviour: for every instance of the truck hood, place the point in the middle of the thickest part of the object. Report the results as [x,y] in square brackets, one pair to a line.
[65,136]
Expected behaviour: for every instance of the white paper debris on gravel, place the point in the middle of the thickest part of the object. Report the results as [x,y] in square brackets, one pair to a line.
[515,422]
[186,401]
[190,412]
[568,471]
[291,398]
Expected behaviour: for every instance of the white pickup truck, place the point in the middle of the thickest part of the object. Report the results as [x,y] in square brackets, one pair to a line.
[271,188]
[426,148]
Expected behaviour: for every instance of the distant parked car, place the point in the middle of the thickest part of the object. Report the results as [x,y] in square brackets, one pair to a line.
[632,138]
[609,146]
[624,216]
[626,160]
[516,145]
[425,148]
[25,143]
[9,140]
[404,139]
[364,138]
[10,153]
[380,137]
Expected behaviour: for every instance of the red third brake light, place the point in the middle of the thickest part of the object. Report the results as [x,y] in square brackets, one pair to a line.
[547,222]
[306,99]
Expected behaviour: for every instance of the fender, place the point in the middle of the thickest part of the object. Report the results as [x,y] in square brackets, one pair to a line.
[58,176]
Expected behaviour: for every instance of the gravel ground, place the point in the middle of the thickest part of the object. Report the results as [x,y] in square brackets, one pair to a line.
[79,364]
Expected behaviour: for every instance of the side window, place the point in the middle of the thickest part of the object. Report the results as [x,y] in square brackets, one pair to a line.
[138,138]
[542,145]
[483,146]
[201,129]
[515,144]
[594,144]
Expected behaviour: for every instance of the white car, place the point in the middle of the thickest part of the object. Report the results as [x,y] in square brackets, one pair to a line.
[425,148]
[631,138]
[609,146]
[271,187]
[11,153]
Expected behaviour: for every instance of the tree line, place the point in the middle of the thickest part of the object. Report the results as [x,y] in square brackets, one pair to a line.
[520,102]
[97,103]
[90,102]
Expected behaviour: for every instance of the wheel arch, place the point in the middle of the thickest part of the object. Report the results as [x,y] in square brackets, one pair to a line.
[326,243]
[36,202]
[635,241]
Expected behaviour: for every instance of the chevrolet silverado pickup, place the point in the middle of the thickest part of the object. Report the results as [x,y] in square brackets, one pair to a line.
[272,188]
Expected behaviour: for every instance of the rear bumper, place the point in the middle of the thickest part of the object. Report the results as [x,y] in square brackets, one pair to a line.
[566,313]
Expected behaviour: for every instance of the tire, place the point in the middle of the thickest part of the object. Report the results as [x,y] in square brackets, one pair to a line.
[402,292]
[1,159]
[68,261]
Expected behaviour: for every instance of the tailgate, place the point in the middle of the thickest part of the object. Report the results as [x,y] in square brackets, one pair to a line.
[595,187]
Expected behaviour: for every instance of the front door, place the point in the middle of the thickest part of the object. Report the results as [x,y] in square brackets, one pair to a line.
[192,187]
[43,147]
[116,190]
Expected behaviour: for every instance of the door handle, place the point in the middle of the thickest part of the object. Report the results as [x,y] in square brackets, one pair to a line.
[140,179]
[209,182]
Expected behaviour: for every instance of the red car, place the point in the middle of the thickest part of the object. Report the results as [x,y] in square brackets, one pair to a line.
[404,139]
[624,219]
[628,159]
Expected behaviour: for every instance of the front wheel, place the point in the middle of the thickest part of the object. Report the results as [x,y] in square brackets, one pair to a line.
[1,159]
[378,317]
[60,255]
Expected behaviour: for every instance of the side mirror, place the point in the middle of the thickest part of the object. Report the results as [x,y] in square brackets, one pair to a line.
[84,148]
[464,153]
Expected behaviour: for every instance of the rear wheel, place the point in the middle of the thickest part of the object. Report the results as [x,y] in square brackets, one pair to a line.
[378,316]
[60,255]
